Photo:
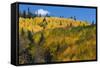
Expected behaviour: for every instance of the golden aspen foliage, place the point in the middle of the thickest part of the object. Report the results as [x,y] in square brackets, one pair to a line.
[60,39]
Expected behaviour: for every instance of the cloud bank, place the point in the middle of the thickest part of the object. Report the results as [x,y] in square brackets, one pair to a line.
[42,12]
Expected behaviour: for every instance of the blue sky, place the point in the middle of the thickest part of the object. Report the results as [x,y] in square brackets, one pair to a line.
[83,14]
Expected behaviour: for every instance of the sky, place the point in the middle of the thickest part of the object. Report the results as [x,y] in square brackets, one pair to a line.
[82,14]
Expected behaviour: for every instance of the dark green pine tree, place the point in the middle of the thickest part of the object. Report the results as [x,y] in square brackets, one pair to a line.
[24,14]
[28,15]
[43,23]
[75,18]
[30,36]
[92,23]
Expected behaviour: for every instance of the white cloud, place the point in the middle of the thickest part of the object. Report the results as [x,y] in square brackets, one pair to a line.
[42,12]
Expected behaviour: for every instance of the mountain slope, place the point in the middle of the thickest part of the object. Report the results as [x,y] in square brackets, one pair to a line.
[40,23]
[48,40]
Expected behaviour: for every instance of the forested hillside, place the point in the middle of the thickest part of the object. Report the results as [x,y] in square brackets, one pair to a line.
[55,39]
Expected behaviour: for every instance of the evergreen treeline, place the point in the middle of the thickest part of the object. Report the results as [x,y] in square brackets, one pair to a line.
[29,14]
[26,14]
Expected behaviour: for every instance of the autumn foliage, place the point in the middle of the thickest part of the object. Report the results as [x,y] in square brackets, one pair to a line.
[55,39]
